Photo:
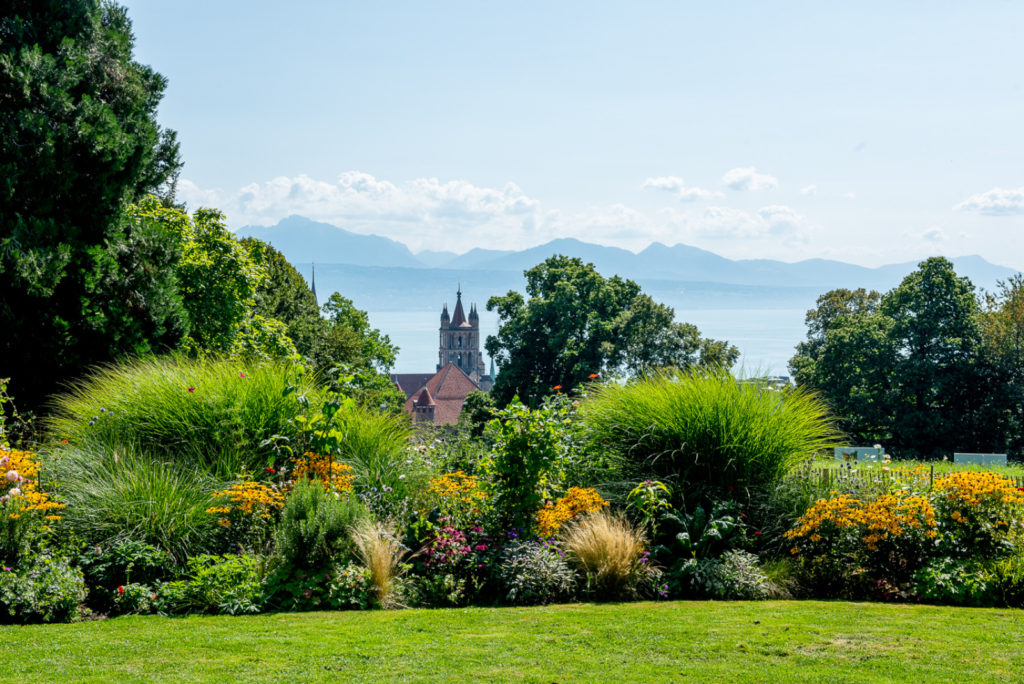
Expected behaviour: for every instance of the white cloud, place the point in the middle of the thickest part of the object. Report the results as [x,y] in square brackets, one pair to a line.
[675,185]
[423,213]
[809,190]
[747,178]
[850,195]
[932,234]
[771,222]
[995,202]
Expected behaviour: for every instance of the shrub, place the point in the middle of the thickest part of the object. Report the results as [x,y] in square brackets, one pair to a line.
[123,495]
[708,430]
[41,589]
[225,584]
[217,414]
[529,452]
[315,524]
[343,586]
[133,599]
[954,582]
[1006,577]
[452,564]
[982,513]
[381,554]
[119,564]
[610,553]
[735,576]
[841,540]
[535,572]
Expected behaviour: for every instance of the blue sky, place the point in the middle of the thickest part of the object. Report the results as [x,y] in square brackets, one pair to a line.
[865,132]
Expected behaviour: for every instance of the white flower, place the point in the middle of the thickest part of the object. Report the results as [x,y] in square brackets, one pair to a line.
[15,492]
[12,476]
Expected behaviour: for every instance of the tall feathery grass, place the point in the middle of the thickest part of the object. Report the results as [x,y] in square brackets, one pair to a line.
[376,446]
[706,429]
[380,553]
[124,495]
[609,551]
[209,413]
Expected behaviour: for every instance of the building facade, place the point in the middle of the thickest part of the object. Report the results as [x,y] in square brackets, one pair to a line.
[459,343]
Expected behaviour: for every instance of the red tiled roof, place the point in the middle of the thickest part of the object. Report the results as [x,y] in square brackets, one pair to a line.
[410,383]
[423,399]
[447,389]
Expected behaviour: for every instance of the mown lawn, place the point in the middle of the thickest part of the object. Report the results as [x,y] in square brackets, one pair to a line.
[811,641]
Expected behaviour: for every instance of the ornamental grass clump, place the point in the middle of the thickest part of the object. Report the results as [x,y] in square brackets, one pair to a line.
[610,554]
[706,429]
[125,495]
[381,554]
[216,414]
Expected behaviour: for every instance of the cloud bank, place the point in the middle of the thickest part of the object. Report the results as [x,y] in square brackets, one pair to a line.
[995,202]
[747,178]
[457,215]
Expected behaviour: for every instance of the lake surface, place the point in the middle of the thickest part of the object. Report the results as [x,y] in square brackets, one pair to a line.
[766,337]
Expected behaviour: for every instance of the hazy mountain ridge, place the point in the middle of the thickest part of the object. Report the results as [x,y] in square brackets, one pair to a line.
[303,241]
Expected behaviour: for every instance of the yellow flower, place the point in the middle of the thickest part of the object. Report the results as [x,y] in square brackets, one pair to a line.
[576,501]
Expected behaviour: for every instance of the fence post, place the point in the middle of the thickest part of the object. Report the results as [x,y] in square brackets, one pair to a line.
[931,477]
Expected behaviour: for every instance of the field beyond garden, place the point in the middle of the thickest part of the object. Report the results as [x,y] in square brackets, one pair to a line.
[771,641]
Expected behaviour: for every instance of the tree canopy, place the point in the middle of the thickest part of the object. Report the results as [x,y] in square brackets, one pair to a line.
[79,141]
[910,368]
[577,325]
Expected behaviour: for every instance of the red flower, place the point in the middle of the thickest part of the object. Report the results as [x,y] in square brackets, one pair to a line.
[269,469]
[757,533]
[120,591]
[592,376]
[557,387]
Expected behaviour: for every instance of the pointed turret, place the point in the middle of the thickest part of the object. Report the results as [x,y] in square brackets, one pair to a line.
[474,318]
[459,317]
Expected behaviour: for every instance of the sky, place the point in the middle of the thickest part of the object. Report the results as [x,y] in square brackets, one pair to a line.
[869,132]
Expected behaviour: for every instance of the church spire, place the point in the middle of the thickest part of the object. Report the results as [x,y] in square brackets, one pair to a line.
[459,315]
[315,299]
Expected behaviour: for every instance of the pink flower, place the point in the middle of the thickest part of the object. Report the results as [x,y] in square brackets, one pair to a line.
[480,547]
[12,476]
[241,375]
[191,390]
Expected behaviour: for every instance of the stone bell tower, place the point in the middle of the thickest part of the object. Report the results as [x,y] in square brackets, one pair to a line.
[460,343]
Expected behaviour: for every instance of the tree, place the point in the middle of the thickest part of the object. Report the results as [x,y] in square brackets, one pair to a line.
[78,142]
[578,324]
[1002,328]
[906,368]
[285,296]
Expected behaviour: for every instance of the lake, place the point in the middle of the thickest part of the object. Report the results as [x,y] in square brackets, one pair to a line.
[766,337]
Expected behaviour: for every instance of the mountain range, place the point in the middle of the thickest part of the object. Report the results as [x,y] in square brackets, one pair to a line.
[658,267]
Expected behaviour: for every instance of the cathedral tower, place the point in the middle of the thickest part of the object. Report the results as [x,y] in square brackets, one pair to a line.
[460,342]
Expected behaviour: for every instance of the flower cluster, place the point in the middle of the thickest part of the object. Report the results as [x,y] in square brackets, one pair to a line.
[459,487]
[20,479]
[247,498]
[887,518]
[334,476]
[980,511]
[577,501]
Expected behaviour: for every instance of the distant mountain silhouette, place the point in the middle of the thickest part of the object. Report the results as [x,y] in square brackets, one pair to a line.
[302,240]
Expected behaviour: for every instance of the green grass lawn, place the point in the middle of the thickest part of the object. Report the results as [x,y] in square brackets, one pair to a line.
[794,641]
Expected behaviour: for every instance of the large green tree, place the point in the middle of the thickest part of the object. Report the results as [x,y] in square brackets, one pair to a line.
[576,323]
[78,142]
[908,368]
